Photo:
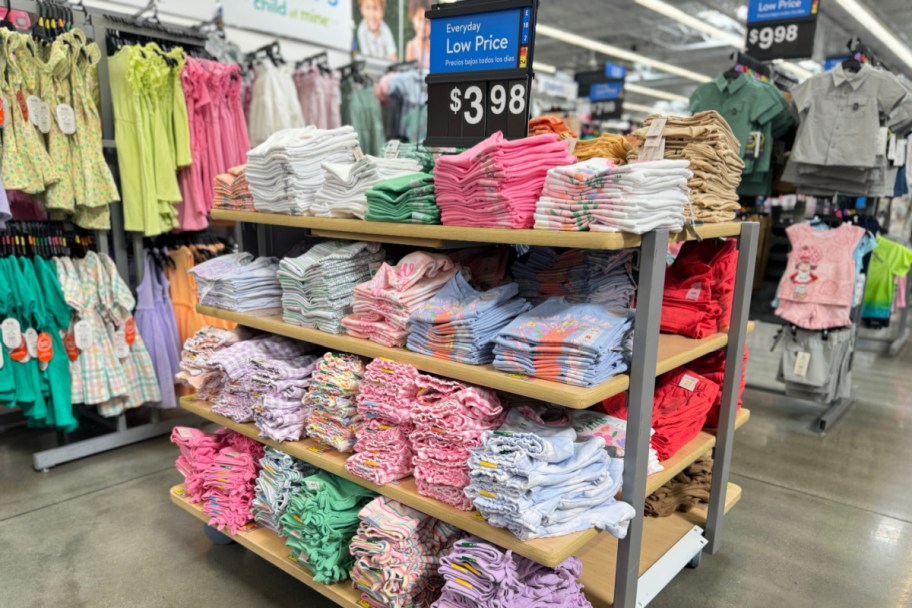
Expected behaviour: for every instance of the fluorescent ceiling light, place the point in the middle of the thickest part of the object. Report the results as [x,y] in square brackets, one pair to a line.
[635,88]
[794,68]
[862,15]
[613,51]
[736,40]
[547,68]
[638,107]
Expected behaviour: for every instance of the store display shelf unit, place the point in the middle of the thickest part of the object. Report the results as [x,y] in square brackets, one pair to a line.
[439,236]
[548,551]
[674,351]
[662,533]
[615,577]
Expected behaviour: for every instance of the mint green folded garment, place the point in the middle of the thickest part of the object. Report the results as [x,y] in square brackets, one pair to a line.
[319,523]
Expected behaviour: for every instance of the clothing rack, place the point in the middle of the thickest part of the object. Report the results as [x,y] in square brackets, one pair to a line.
[750,66]
[96,24]
[863,53]
[403,66]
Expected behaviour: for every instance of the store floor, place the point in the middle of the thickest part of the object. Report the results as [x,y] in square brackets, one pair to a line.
[825,520]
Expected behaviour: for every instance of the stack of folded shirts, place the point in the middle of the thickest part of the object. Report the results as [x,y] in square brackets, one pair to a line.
[318,287]
[345,184]
[397,552]
[537,478]
[232,190]
[415,152]
[197,370]
[409,198]
[198,449]
[449,418]
[238,395]
[612,146]
[496,182]
[459,322]
[385,399]
[285,173]
[580,275]
[481,574]
[280,477]
[683,399]
[551,124]
[602,196]
[383,305]
[707,142]
[319,523]
[280,413]
[578,344]
[332,399]
[699,287]
[686,490]
[613,430]
[240,283]
[229,483]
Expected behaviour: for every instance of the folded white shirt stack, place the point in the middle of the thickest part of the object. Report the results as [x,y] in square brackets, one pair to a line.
[285,173]
[602,196]
[343,191]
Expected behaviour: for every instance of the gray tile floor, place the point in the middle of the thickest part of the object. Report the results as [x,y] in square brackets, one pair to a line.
[824,521]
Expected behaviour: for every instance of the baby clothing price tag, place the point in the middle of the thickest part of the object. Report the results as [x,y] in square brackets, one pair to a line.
[44,118]
[31,342]
[66,118]
[312,485]
[44,347]
[130,330]
[694,293]
[82,331]
[69,345]
[12,333]
[4,111]
[31,103]
[688,382]
[801,364]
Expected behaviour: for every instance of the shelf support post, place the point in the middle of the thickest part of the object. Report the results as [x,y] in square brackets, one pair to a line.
[731,382]
[639,415]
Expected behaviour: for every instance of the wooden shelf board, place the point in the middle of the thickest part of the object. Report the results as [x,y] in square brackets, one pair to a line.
[359,229]
[548,551]
[659,535]
[271,547]
[673,352]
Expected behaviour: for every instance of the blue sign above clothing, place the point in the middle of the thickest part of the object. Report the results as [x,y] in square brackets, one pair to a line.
[615,71]
[776,10]
[604,91]
[831,62]
[484,41]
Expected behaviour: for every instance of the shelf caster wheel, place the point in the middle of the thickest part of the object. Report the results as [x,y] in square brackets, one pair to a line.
[695,561]
[217,537]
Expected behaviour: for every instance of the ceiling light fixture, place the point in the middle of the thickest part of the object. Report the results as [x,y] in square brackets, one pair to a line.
[619,53]
[547,68]
[794,68]
[888,39]
[639,107]
[635,88]
[663,8]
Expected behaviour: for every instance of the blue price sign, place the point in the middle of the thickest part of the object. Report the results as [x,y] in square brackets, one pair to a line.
[615,71]
[480,70]
[831,62]
[602,91]
[780,10]
[488,41]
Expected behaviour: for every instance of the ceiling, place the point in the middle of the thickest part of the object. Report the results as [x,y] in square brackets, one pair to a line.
[626,24]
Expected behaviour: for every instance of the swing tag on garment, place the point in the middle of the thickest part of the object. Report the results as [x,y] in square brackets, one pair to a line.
[20,354]
[694,293]
[44,347]
[688,383]
[801,364]
[31,113]
[31,342]
[392,149]
[4,111]
[312,485]
[571,145]
[44,118]
[121,348]
[66,118]
[130,330]
[82,331]
[69,345]
[184,432]
[358,154]
[12,333]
